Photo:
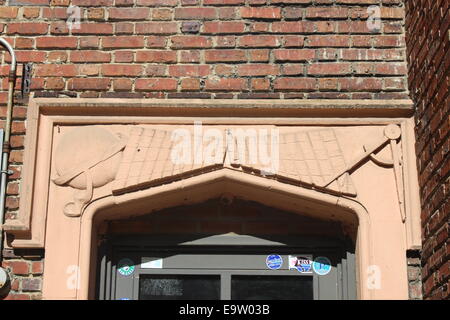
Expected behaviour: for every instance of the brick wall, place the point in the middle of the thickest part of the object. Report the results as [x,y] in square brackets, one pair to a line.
[211,49]
[25,268]
[428,52]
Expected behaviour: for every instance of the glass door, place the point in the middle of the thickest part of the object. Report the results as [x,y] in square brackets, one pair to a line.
[223,273]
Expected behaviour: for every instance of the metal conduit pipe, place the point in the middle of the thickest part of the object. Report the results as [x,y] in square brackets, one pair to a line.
[7,134]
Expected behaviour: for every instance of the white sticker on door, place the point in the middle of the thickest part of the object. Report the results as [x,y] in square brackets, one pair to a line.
[301,262]
[151,263]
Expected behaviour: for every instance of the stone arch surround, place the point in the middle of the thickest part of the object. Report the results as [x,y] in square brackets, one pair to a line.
[382,236]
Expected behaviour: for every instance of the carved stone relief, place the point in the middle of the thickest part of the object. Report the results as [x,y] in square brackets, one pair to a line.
[91,157]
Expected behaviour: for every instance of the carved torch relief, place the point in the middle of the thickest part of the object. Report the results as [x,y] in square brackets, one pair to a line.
[90,157]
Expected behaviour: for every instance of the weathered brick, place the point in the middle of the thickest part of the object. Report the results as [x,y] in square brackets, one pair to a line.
[121,70]
[295,84]
[94,84]
[156,56]
[27,28]
[156,84]
[123,42]
[195,13]
[271,13]
[189,70]
[257,70]
[226,84]
[90,56]
[329,69]
[183,42]
[156,28]
[294,54]
[261,41]
[212,56]
[223,27]
[128,13]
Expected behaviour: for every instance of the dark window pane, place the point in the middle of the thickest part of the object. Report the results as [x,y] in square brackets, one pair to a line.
[179,287]
[271,288]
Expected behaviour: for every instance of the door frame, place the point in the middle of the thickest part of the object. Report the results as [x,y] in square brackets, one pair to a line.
[134,247]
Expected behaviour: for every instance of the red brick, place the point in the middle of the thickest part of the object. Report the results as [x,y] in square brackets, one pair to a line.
[258,55]
[123,56]
[329,41]
[294,54]
[94,84]
[297,27]
[123,42]
[293,69]
[94,14]
[390,69]
[293,41]
[271,13]
[31,13]
[222,2]
[89,42]
[55,83]
[295,84]
[361,84]
[225,42]
[90,56]
[56,70]
[54,13]
[257,70]
[24,43]
[260,41]
[27,28]
[122,84]
[195,13]
[156,28]
[329,69]
[156,84]
[90,3]
[190,84]
[27,56]
[156,56]
[184,42]
[17,267]
[89,70]
[225,56]
[156,42]
[128,13]
[327,13]
[260,84]
[162,14]
[223,27]
[121,70]
[189,56]
[124,28]
[8,12]
[226,84]
[94,28]
[292,1]
[189,70]
[157,3]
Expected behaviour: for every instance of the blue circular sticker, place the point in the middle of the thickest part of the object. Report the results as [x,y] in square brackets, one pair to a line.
[321,265]
[125,267]
[274,261]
